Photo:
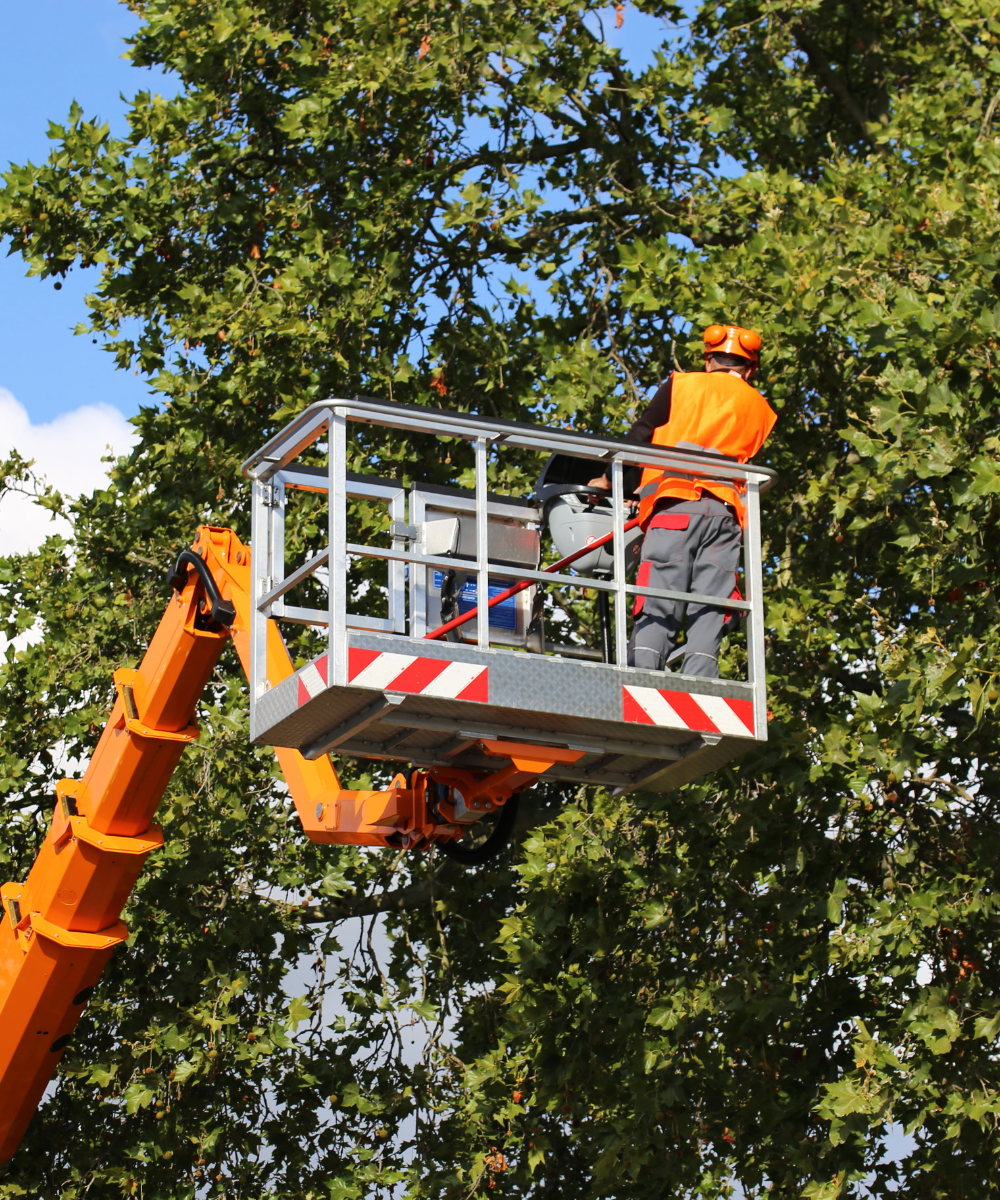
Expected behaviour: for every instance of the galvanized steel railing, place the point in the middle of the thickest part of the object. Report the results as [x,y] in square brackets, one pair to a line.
[273,469]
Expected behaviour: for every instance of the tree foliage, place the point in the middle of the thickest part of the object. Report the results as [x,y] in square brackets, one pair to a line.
[483,206]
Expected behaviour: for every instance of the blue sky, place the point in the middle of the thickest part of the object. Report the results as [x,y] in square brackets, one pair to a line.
[54,52]
[47,368]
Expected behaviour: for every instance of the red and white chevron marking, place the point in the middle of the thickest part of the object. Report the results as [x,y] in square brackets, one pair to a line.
[312,680]
[401,673]
[688,710]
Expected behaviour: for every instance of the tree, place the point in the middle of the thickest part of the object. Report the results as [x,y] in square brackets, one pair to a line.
[482,206]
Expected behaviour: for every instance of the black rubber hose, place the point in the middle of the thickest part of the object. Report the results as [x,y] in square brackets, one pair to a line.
[499,838]
[223,611]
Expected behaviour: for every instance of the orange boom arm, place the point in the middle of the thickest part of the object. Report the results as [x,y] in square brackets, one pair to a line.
[60,926]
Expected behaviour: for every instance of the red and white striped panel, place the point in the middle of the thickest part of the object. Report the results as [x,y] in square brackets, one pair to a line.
[312,680]
[401,673]
[688,710]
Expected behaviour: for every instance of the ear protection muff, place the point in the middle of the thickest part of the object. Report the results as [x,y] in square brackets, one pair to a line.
[731,339]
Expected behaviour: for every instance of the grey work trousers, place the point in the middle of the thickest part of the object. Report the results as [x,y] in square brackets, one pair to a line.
[703,557]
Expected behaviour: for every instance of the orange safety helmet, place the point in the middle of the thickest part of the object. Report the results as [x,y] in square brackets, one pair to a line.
[731,339]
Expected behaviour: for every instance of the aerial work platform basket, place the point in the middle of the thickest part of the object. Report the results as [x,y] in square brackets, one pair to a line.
[384,682]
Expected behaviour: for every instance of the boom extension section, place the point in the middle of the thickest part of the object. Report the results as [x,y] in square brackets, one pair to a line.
[60,927]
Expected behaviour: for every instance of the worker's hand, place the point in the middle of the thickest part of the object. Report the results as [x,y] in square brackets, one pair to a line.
[602,481]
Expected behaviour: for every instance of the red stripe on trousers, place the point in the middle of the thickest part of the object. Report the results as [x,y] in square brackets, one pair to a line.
[642,580]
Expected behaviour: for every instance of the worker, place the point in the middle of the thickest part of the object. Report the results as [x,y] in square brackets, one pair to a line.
[693,527]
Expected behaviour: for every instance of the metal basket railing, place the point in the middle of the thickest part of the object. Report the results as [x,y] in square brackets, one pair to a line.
[274,470]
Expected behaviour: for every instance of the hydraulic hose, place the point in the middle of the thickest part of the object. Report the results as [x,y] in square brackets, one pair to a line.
[498,838]
[223,611]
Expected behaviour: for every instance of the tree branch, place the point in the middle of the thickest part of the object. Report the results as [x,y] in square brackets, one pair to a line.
[536,153]
[987,119]
[414,895]
[835,85]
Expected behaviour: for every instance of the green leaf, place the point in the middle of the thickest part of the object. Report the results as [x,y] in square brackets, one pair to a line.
[137,1096]
[835,902]
[298,1011]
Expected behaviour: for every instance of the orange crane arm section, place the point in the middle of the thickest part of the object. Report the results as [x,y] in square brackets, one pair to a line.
[59,928]
[62,923]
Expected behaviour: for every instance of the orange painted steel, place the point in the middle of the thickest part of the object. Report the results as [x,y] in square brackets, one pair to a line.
[59,928]
[473,794]
[63,922]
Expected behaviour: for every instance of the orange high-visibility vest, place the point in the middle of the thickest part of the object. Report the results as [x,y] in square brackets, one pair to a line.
[712,411]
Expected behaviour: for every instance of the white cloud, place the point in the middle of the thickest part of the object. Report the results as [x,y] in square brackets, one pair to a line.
[67,453]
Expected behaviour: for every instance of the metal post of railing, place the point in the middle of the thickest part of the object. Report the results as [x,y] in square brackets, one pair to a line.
[418,574]
[275,502]
[397,570]
[618,547]
[482,545]
[337,512]
[259,575]
[754,579]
